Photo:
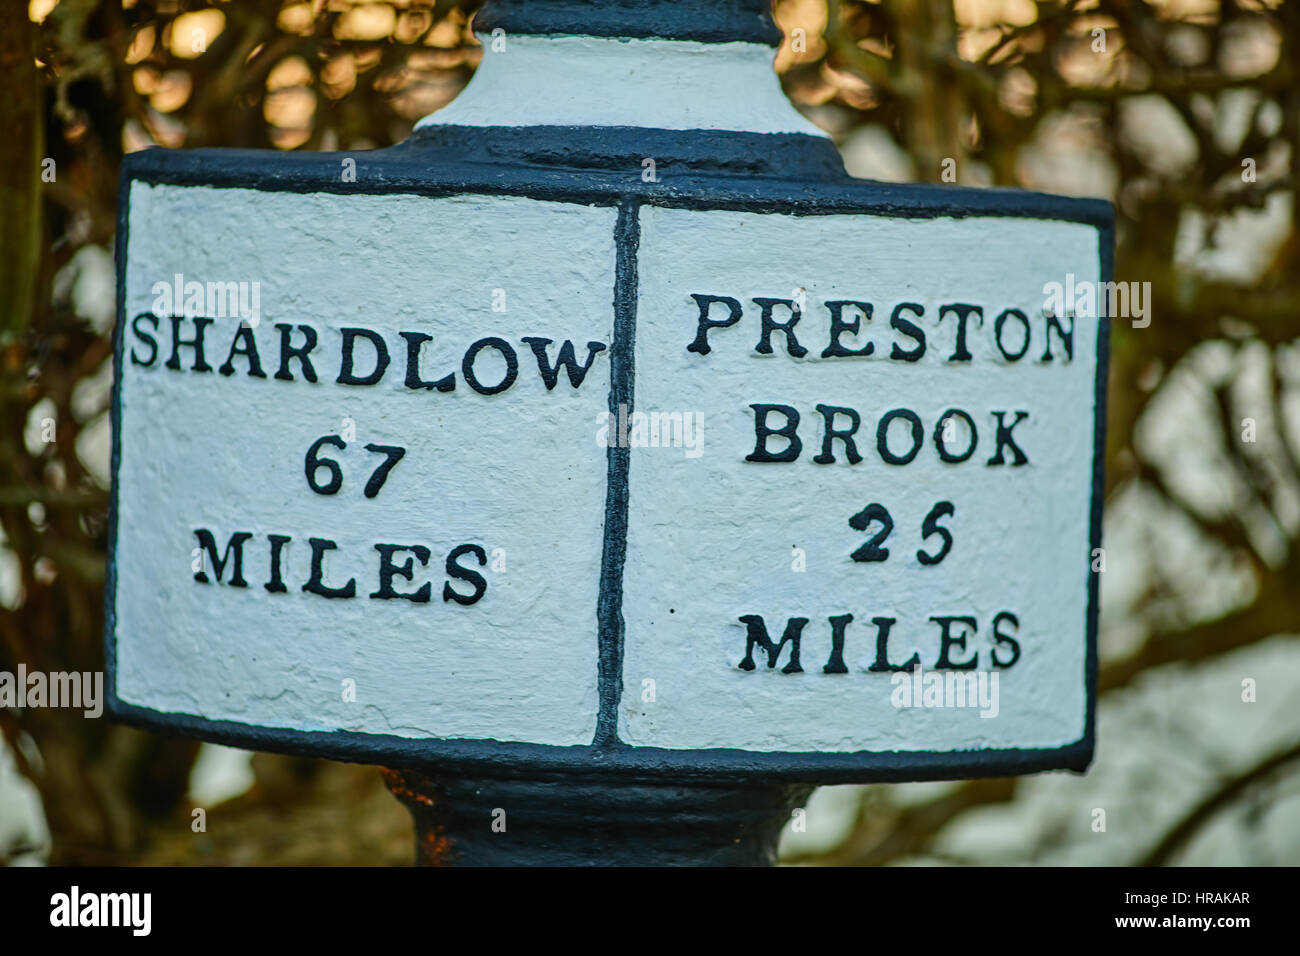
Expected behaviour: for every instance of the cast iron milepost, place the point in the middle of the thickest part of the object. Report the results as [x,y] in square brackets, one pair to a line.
[608,90]
[603,458]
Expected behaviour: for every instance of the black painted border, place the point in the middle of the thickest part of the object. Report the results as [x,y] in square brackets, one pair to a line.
[778,188]
[400,170]
[598,149]
[709,21]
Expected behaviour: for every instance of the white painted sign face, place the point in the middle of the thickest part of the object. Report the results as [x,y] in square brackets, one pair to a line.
[259,580]
[608,480]
[903,476]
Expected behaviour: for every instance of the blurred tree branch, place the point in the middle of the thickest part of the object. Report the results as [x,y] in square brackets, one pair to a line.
[1221,797]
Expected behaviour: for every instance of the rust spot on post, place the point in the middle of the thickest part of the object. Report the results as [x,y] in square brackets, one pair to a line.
[433,846]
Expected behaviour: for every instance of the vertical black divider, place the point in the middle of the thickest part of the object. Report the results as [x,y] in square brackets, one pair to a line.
[622,373]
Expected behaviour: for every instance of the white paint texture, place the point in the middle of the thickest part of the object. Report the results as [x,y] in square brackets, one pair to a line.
[519,470]
[711,538]
[596,81]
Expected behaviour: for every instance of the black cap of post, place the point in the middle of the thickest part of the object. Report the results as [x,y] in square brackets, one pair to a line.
[708,21]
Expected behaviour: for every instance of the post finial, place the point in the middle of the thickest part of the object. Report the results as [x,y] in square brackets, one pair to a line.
[634,65]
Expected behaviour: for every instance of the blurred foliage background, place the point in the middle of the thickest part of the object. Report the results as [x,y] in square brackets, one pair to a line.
[1184,113]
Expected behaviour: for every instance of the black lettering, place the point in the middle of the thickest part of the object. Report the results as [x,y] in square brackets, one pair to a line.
[948,640]
[769,325]
[873,549]
[829,412]
[840,326]
[551,373]
[316,584]
[392,455]
[278,541]
[145,337]
[407,570]
[1067,336]
[835,665]
[461,573]
[705,302]
[346,374]
[195,343]
[910,329]
[998,325]
[313,463]
[512,365]
[1005,639]
[234,554]
[881,663]
[756,635]
[963,312]
[942,449]
[243,334]
[1004,437]
[414,340]
[301,353]
[882,436]
[787,431]
[930,527]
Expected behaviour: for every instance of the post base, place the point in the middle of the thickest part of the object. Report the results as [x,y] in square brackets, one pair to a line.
[583,822]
